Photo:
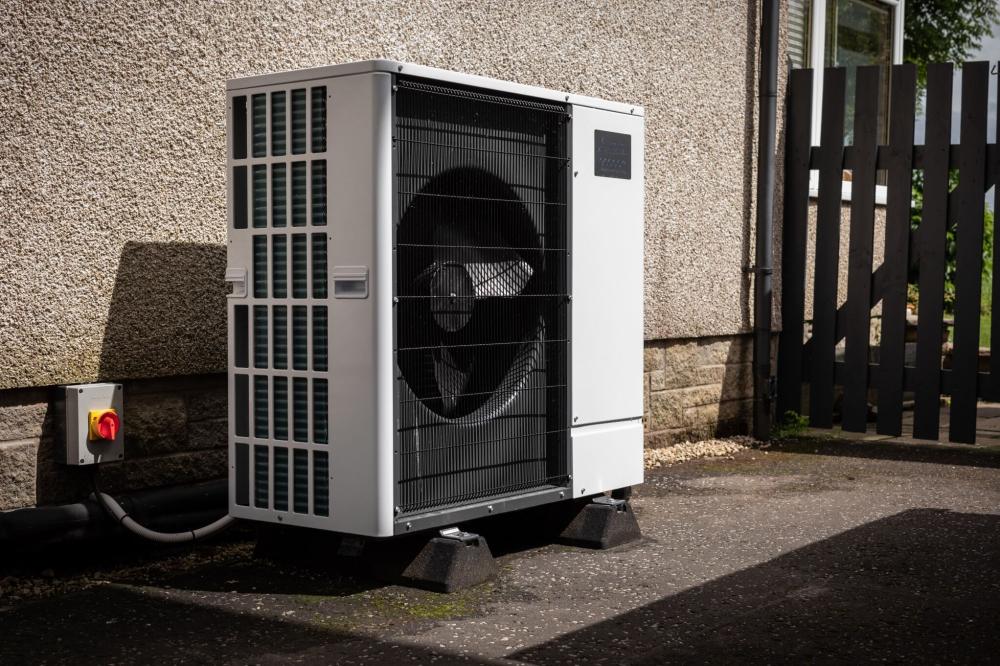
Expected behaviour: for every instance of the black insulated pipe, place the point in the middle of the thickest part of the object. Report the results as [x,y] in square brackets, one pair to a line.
[762,288]
[168,509]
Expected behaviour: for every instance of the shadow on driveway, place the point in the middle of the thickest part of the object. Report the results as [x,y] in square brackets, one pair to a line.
[910,451]
[135,626]
[919,586]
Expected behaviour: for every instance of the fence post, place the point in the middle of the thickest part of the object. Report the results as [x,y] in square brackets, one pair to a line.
[969,252]
[793,244]
[892,349]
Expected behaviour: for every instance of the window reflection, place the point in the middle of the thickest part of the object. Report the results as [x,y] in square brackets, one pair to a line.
[859,32]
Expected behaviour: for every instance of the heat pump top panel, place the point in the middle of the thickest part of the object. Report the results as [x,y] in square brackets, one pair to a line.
[432,73]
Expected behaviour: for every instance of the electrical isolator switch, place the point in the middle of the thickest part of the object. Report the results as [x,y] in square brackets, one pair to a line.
[95,416]
[104,424]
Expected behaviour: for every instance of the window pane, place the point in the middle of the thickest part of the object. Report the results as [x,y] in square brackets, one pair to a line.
[799,26]
[859,32]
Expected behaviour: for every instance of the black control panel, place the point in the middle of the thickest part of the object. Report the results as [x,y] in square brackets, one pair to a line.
[612,155]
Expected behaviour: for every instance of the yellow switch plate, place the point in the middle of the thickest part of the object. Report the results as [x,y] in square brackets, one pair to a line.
[92,418]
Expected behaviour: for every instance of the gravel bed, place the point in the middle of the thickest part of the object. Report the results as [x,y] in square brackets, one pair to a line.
[706,448]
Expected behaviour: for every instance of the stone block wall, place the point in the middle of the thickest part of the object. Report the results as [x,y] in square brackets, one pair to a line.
[697,388]
[175,432]
[175,428]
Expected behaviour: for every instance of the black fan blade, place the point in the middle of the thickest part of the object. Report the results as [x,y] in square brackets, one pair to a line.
[499,278]
[450,377]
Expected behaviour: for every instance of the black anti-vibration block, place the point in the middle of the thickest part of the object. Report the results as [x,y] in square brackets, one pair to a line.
[605,523]
[441,564]
[449,565]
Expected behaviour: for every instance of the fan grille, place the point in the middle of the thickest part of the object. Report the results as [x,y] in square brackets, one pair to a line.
[481,251]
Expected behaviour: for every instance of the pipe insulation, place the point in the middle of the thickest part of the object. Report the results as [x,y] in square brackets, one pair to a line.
[114,509]
[169,509]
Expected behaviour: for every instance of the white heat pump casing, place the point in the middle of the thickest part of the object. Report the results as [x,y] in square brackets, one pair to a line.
[606,235]
[606,331]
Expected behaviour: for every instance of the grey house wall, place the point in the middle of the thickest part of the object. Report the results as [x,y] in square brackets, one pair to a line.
[114,193]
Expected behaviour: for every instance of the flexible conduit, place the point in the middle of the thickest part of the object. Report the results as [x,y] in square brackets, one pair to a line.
[115,510]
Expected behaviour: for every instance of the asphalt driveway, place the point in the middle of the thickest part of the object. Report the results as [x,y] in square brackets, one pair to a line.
[812,551]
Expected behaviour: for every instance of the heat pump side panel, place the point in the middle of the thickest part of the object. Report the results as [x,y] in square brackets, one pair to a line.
[607,456]
[607,242]
[361,353]
[346,479]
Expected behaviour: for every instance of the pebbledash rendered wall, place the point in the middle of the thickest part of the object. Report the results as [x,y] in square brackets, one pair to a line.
[112,178]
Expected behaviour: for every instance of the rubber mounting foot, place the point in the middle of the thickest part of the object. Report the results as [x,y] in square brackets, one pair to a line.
[447,564]
[604,523]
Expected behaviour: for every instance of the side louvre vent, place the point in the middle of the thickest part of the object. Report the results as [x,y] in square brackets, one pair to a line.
[300,409]
[299,274]
[321,483]
[260,196]
[319,338]
[260,407]
[279,202]
[260,336]
[260,125]
[319,193]
[298,121]
[241,405]
[279,266]
[298,194]
[281,337]
[280,479]
[278,121]
[301,481]
[240,197]
[280,332]
[239,128]
[281,408]
[300,338]
[319,265]
[260,474]
[241,354]
[319,120]
[242,474]
[260,266]
[320,433]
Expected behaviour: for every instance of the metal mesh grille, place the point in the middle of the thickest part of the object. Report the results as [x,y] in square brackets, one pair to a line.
[280,336]
[481,245]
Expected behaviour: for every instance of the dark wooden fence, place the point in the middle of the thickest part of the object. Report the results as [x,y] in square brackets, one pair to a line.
[814,362]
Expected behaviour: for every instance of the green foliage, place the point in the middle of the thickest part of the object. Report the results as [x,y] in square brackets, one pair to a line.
[948,31]
[945,30]
[950,245]
[791,424]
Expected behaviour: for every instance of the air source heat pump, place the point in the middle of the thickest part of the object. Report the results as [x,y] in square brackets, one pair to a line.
[436,308]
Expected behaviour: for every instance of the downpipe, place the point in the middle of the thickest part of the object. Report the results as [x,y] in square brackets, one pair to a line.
[763,265]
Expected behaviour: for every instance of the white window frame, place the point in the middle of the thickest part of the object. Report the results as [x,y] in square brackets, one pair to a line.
[817,54]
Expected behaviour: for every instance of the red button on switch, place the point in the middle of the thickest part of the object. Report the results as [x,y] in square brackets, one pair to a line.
[104,424]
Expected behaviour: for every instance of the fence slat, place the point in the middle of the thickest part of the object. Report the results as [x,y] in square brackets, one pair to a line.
[793,246]
[993,179]
[969,257]
[827,250]
[892,349]
[859,259]
[931,239]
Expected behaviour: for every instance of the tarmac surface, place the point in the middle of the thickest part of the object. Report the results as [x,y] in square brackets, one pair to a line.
[818,551]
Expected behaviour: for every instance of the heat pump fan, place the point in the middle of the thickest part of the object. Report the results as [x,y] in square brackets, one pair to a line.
[437,302]
[474,332]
